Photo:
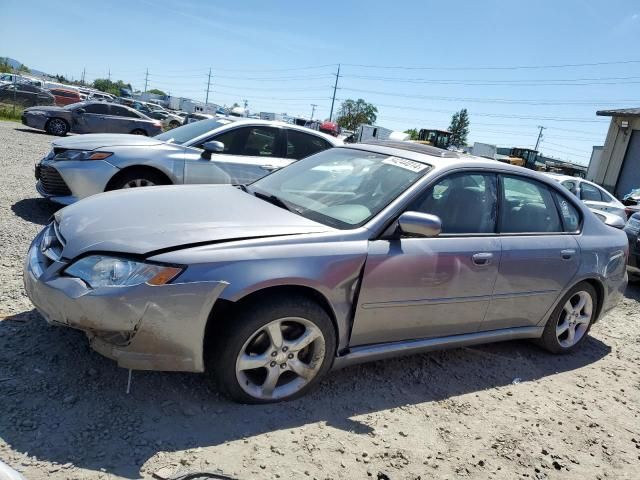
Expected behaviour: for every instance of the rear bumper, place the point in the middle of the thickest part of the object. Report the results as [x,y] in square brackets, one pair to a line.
[143,327]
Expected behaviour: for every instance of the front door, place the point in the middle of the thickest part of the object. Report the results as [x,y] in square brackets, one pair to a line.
[93,120]
[433,287]
[250,153]
[540,255]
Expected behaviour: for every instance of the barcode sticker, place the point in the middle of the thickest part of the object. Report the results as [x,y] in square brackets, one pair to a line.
[406,164]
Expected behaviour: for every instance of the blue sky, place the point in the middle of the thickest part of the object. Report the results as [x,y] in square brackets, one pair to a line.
[281,56]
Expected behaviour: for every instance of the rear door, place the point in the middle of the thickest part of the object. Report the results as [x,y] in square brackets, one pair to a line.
[301,144]
[540,254]
[121,119]
[250,152]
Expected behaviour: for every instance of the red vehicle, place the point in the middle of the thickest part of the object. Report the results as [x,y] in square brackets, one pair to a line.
[64,96]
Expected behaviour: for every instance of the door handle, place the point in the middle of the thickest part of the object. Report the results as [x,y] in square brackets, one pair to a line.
[483,258]
[568,253]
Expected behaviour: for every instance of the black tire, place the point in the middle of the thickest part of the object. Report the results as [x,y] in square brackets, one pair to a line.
[225,348]
[549,340]
[149,176]
[174,124]
[138,131]
[57,126]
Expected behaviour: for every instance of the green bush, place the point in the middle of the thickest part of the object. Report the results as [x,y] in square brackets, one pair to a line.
[10,112]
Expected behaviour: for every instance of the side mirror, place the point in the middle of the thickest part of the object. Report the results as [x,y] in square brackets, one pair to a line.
[212,147]
[420,224]
[80,111]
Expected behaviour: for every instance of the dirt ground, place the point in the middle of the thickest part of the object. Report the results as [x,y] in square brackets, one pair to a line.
[500,411]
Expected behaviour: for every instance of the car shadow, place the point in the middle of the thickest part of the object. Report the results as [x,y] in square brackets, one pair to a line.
[31,130]
[35,210]
[63,403]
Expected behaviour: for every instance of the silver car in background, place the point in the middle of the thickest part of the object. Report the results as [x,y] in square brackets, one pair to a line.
[353,254]
[219,150]
[594,196]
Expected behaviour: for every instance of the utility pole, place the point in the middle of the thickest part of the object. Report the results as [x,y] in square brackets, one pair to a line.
[539,136]
[206,102]
[335,87]
[83,73]
[109,75]
[313,110]
[146,80]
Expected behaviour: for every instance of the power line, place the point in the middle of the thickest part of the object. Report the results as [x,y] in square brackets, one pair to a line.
[517,67]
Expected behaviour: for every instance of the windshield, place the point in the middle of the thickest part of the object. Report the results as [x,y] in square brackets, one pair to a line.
[340,187]
[183,134]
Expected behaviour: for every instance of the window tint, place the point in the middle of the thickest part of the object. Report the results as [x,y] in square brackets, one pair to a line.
[250,141]
[123,112]
[466,203]
[98,108]
[29,88]
[301,145]
[569,214]
[589,192]
[527,207]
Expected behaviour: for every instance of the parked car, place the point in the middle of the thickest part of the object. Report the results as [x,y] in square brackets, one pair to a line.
[212,151]
[353,254]
[632,229]
[25,94]
[64,96]
[90,117]
[168,119]
[6,78]
[106,97]
[594,196]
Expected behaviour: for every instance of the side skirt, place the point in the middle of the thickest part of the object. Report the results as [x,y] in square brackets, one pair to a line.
[380,351]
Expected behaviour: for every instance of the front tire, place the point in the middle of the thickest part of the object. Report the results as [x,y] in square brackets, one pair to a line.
[274,350]
[139,131]
[138,178]
[57,127]
[571,321]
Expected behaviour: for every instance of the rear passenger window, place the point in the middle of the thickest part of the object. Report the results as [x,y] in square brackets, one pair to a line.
[569,214]
[466,203]
[589,192]
[527,207]
[301,145]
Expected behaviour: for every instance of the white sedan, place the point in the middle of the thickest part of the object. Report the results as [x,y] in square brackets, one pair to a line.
[594,196]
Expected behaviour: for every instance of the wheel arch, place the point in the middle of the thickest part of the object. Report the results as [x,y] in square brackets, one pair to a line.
[223,310]
[595,282]
[136,168]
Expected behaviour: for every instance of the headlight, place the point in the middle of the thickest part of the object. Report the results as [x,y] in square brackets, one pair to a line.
[82,155]
[103,271]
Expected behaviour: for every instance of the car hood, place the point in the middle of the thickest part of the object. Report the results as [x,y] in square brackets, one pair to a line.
[144,220]
[104,140]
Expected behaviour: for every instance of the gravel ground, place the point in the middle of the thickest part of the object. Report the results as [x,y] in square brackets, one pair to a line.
[499,411]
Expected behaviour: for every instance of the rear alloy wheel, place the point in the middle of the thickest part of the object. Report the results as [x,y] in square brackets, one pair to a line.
[277,353]
[139,131]
[57,126]
[570,322]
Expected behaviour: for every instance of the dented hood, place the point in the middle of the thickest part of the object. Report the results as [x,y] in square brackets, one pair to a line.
[143,220]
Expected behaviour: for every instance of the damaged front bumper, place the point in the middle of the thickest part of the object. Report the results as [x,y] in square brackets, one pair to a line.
[143,327]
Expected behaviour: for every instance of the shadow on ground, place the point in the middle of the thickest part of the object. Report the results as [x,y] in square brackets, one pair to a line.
[62,402]
[35,210]
[31,130]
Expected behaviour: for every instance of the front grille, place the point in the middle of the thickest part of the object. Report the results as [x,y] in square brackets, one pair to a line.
[52,183]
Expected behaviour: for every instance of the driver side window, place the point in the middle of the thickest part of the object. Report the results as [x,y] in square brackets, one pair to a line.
[465,202]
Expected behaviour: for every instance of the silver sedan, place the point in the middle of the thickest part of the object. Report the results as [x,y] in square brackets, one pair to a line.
[354,254]
[218,150]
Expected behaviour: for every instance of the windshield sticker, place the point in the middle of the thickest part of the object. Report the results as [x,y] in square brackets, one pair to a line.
[406,164]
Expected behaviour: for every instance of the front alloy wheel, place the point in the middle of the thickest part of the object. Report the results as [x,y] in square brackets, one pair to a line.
[272,350]
[280,359]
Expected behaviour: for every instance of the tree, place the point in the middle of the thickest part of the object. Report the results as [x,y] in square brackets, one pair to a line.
[459,128]
[413,133]
[4,65]
[23,69]
[157,92]
[107,86]
[353,113]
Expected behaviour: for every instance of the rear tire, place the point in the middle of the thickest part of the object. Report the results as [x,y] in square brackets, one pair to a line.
[138,131]
[569,324]
[138,178]
[174,124]
[286,367]
[57,127]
